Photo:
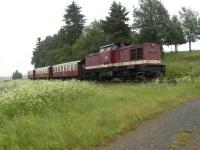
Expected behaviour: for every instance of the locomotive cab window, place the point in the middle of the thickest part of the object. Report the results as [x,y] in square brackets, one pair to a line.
[137,54]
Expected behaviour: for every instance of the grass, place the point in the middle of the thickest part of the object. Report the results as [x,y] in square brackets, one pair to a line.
[78,115]
[182,64]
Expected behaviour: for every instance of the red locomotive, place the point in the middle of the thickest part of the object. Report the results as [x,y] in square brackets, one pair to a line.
[112,61]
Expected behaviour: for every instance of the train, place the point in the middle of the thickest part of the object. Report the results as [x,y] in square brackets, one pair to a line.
[117,60]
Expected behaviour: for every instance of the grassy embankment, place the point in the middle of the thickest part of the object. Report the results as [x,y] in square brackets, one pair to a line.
[182,64]
[80,115]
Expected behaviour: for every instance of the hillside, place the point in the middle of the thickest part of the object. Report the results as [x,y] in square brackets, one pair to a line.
[182,64]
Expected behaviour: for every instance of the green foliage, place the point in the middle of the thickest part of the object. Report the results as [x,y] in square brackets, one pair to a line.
[191,24]
[37,53]
[58,48]
[74,22]
[78,115]
[92,38]
[152,20]
[115,26]
[175,33]
[17,75]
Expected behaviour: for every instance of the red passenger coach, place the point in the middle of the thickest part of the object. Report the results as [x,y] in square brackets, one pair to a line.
[31,74]
[43,73]
[67,70]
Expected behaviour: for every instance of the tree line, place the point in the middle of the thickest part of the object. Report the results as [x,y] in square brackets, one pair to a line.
[151,23]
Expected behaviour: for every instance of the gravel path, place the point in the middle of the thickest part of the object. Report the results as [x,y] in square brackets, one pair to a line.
[178,129]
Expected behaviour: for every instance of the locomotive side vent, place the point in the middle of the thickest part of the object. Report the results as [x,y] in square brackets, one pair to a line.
[137,54]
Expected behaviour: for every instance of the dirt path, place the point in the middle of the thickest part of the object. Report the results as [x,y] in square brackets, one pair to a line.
[178,129]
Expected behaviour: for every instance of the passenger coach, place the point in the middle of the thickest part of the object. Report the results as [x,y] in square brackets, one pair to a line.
[67,70]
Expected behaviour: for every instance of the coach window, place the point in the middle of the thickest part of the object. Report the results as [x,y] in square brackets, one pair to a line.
[76,68]
[65,68]
[72,67]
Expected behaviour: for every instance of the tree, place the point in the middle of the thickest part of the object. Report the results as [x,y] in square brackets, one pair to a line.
[74,22]
[151,19]
[17,75]
[36,53]
[91,40]
[175,33]
[191,25]
[115,26]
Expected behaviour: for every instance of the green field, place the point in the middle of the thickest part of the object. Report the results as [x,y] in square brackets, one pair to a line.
[76,115]
[182,64]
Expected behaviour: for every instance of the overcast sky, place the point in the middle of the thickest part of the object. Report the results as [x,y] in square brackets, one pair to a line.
[22,21]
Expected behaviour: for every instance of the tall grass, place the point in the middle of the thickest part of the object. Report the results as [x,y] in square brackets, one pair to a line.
[182,64]
[76,115]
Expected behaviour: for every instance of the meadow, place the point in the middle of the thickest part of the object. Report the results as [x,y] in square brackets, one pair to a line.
[76,115]
[182,64]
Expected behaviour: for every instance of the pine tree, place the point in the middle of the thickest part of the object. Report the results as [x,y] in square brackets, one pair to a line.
[36,53]
[17,75]
[74,22]
[115,26]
